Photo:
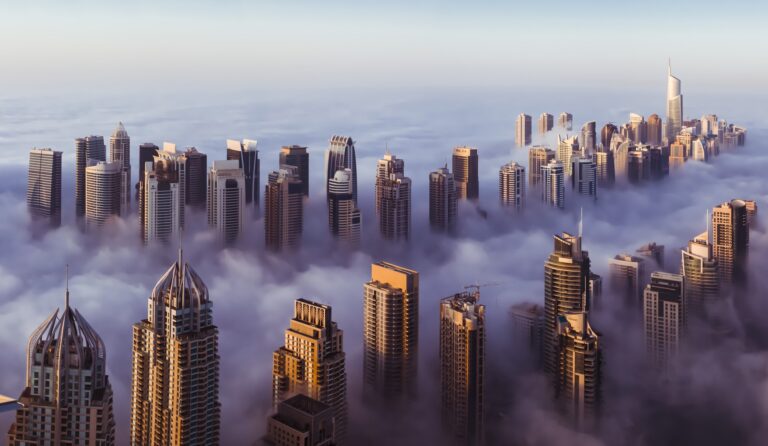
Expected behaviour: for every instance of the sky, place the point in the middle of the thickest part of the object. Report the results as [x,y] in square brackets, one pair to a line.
[419,78]
[87,46]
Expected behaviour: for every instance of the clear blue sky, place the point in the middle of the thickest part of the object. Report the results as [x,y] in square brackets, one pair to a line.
[368,43]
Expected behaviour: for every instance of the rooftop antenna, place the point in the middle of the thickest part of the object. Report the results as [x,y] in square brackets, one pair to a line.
[581,221]
[66,294]
[669,66]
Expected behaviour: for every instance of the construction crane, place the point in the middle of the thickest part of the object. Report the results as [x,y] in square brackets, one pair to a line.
[475,288]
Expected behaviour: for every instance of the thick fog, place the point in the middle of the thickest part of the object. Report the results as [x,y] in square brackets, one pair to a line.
[717,395]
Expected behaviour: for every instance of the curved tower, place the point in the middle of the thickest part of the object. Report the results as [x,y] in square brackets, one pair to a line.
[175,376]
[341,155]
[674,106]
[67,398]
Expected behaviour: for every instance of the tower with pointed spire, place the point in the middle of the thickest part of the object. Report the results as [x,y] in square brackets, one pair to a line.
[674,106]
[175,370]
[120,152]
[67,399]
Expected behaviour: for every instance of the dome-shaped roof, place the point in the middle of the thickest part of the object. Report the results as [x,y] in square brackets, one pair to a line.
[180,287]
[120,131]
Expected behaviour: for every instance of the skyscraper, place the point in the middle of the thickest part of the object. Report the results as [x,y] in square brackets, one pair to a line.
[522,130]
[565,121]
[312,360]
[297,156]
[102,192]
[566,148]
[627,277]
[301,420]
[462,366]
[512,186]
[638,128]
[161,201]
[538,156]
[465,165]
[390,331]
[226,199]
[395,207]
[341,155]
[664,316]
[44,185]
[589,137]
[730,239]
[175,368]
[653,130]
[652,252]
[580,374]
[196,178]
[528,328]
[604,168]
[170,155]
[584,176]
[120,152]
[67,398]
[88,148]
[553,179]
[284,209]
[546,121]
[386,166]
[701,271]
[248,160]
[566,290]
[606,134]
[674,106]
[442,200]
[344,217]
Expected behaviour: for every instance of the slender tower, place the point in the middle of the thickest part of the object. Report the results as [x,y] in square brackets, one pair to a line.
[284,209]
[312,361]
[580,375]
[523,130]
[196,178]
[67,399]
[584,175]
[44,185]
[390,331]
[161,201]
[341,155]
[674,106]
[386,166]
[664,316]
[175,370]
[538,156]
[553,180]
[226,199]
[512,186]
[248,159]
[120,153]
[442,200]
[88,148]
[297,156]
[102,192]
[344,218]
[702,274]
[465,173]
[395,207]
[730,239]
[462,366]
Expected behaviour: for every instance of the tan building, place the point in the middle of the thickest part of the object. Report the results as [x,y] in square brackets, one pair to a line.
[654,130]
[386,166]
[465,165]
[664,316]
[565,121]
[175,375]
[44,185]
[702,275]
[546,122]
[161,201]
[538,156]
[566,148]
[312,362]
[604,168]
[283,209]
[394,204]
[301,421]
[86,149]
[462,366]
[390,332]
[102,193]
[627,278]
[442,200]
[522,130]
[751,212]
[566,290]
[67,398]
[730,239]
[580,357]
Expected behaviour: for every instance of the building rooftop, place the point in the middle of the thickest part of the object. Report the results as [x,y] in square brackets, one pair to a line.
[306,404]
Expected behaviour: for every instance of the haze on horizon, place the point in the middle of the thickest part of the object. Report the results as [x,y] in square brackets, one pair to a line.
[81,45]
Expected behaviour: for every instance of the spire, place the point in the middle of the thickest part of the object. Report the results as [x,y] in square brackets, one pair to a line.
[66,294]
[581,221]
[669,66]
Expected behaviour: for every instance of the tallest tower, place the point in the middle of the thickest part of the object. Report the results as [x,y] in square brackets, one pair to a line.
[674,106]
